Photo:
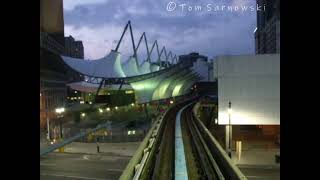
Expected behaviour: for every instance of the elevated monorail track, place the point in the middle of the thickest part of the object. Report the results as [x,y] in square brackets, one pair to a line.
[181,147]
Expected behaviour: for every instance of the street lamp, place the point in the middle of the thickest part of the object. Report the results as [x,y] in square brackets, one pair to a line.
[60,112]
[230,138]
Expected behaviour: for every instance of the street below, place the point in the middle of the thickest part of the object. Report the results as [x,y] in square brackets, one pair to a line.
[72,166]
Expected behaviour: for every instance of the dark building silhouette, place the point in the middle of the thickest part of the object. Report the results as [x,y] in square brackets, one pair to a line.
[267,34]
[54,74]
[73,48]
[192,57]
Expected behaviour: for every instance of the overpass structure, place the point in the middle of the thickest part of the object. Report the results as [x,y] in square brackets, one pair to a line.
[151,80]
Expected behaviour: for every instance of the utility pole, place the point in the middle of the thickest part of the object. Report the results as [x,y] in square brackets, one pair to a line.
[230,129]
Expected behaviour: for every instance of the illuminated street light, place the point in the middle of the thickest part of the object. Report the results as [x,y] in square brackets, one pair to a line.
[75,92]
[116,107]
[100,110]
[108,109]
[83,114]
[132,104]
[60,110]
[81,102]
[171,102]
[90,102]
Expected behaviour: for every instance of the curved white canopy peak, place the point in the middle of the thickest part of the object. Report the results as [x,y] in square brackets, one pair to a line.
[145,67]
[155,67]
[106,67]
[130,67]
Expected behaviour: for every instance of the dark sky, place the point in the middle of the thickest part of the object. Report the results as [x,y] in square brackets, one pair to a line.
[99,24]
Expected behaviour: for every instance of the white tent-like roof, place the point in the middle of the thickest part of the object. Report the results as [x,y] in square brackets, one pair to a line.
[145,67]
[130,67]
[106,67]
[154,67]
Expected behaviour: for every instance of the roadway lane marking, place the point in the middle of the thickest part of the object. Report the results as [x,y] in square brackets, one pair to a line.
[77,177]
[85,157]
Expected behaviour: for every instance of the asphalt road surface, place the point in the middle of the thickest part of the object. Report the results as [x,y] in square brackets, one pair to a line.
[67,166]
[253,173]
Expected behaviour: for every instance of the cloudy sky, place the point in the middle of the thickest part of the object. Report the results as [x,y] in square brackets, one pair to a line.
[181,29]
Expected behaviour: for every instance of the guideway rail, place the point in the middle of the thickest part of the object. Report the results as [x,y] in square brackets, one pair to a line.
[162,153]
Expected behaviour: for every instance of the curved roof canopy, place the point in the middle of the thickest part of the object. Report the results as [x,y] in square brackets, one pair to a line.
[130,67]
[145,67]
[106,67]
[155,67]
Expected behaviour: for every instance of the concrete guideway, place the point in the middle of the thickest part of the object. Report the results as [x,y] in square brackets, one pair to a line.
[165,156]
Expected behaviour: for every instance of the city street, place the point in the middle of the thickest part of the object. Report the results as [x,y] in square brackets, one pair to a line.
[67,166]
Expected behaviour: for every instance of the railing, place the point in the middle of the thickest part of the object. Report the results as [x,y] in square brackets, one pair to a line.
[50,44]
[70,140]
[227,167]
[137,162]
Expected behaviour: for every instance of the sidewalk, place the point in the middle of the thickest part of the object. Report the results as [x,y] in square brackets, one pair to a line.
[261,158]
[121,149]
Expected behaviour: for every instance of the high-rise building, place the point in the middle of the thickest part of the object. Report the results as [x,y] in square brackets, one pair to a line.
[267,34]
[54,74]
[73,48]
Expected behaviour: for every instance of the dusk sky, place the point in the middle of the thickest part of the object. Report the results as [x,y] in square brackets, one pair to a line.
[99,24]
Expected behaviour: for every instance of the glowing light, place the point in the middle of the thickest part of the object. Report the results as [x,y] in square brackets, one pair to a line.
[129,132]
[100,110]
[83,114]
[60,110]
[108,109]
[90,102]
[76,92]
[81,102]
[132,104]
[171,102]
[129,92]
[40,94]
[116,107]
